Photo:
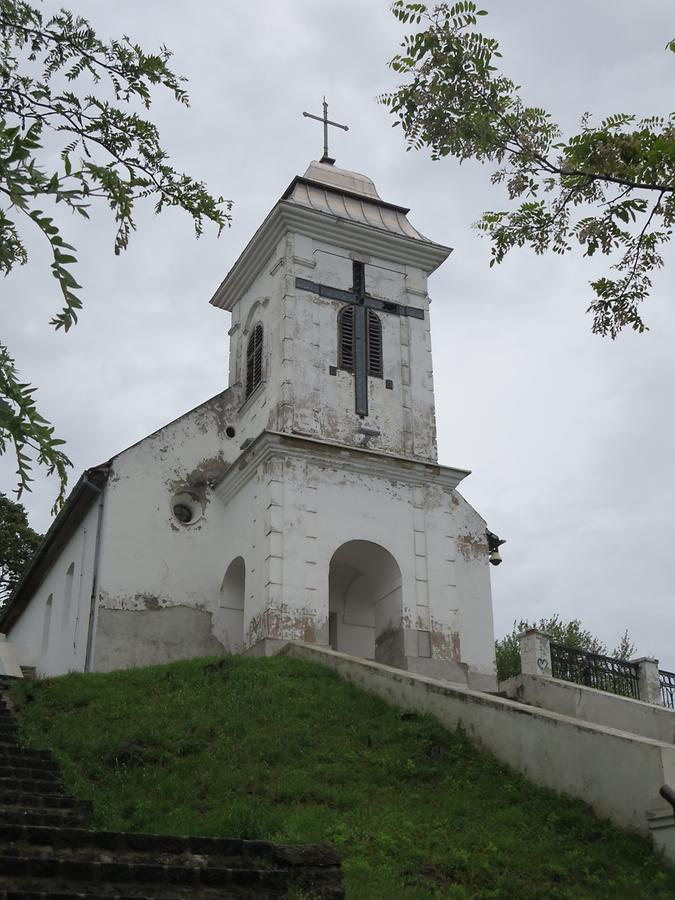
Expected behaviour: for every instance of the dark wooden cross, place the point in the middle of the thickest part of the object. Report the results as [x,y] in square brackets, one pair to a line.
[326,122]
[362,302]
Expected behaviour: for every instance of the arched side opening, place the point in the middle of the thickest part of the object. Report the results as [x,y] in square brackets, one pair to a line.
[46,624]
[68,594]
[365,602]
[254,360]
[232,594]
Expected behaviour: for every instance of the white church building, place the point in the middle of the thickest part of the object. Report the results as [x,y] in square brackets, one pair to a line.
[306,501]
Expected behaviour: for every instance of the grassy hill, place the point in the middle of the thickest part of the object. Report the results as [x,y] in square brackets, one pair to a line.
[284,750]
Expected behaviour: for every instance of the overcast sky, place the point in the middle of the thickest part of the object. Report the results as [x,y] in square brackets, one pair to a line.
[570,437]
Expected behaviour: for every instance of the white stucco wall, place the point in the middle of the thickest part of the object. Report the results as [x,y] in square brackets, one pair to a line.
[324,404]
[473,590]
[160,581]
[63,648]
[591,705]
[162,570]
[313,501]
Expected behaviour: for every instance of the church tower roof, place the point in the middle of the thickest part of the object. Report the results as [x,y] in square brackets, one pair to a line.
[337,206]
[349,195]
[342,179]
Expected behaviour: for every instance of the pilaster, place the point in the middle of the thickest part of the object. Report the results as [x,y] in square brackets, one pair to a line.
[649,681]
[273,491]
[535,653]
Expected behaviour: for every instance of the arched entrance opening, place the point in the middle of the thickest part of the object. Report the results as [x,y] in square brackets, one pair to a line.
[46,625]
[232,594]
[365,601]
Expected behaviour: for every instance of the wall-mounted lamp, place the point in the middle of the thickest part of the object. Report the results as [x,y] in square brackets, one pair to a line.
[494,542]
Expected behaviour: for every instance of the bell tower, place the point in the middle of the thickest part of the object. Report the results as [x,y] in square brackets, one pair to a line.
[353,535]
[342,316]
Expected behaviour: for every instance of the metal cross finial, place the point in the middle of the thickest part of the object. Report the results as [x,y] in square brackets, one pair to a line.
[326,122]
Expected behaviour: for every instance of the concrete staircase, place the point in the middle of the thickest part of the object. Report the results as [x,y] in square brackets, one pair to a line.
[46,851]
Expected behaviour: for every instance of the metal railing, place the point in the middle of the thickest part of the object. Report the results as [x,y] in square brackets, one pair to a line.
[605,673]
[667,680]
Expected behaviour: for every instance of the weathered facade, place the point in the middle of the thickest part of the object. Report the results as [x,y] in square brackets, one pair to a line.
[305,501]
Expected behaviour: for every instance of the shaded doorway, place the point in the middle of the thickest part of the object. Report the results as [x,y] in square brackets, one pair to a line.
[46,625]
[232,594]
[364,601]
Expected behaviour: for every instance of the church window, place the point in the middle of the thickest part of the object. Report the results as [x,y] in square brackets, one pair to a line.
[186,508]
[346,339]
[254,359]
[46,623]
[374,345]
[183,513]
[68,593]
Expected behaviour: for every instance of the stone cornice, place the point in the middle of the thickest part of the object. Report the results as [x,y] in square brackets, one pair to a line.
[288,216]
[270,444]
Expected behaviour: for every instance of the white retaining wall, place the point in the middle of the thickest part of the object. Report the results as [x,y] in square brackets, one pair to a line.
[617,773]
[591,705]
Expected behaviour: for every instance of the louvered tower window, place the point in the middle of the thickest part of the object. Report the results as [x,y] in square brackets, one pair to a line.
[346,341]
[374,327]
[254,357]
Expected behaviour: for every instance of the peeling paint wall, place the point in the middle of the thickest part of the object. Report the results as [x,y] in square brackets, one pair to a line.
[151,562]
[312,508]
[473,581]
[323,404]
[156,634]
[298,393]
[153,565]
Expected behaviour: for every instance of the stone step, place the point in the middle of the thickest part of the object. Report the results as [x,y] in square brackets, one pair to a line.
[141,875]
[30,786]
[91,858]
[26,753]
[108,892]
[23,800]
[43,817]
[21,771]
[168,846]
[31,751]
[17,759]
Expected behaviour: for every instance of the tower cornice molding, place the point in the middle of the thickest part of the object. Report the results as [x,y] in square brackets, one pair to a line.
[361,461]
[329,229]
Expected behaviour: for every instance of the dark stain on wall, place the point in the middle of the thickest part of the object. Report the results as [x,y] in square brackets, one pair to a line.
[471,546]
